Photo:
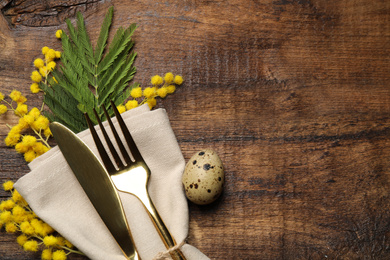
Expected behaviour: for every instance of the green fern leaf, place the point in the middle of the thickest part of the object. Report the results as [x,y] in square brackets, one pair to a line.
[119,62]
[119,43]
[77,41]
[58,100]
[84,40]
[118,71]
[89,78]
[103,36]
[123,75]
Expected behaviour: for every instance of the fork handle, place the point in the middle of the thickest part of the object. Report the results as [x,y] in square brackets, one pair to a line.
[163,231]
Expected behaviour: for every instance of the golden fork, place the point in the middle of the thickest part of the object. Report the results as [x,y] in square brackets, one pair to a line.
[133,176]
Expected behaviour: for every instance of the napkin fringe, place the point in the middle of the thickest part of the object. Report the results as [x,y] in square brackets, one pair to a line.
[166,255]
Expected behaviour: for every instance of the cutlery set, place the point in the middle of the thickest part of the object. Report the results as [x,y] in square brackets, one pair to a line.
[102,181]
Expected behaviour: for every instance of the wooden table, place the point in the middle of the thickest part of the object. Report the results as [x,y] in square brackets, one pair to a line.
[293,95]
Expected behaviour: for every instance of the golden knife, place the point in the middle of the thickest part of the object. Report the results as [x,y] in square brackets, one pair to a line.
[98,186]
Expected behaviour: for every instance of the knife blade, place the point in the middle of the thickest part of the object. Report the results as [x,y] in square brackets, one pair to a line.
[98,186]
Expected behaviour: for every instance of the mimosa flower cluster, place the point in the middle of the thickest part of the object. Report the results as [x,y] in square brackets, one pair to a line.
[43,68]
[33,234]
[161,87]
[30,122]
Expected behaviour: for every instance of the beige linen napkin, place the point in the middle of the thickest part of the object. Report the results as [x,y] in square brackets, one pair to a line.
[55,195]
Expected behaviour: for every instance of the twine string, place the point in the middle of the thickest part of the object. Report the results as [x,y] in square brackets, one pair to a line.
[166,255]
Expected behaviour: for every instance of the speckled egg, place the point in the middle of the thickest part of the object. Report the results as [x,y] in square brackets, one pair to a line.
[203,177]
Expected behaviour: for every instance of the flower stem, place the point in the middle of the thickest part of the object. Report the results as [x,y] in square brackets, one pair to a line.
[72,250]
[41,138]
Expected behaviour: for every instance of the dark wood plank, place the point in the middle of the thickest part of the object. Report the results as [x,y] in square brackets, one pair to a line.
[293,95]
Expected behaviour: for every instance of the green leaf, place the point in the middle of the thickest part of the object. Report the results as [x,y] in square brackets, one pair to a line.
[89,78]
[111,79]
[84,40]
[119,70]
[103,36]
[78,40]
[119,43]
[72,64]
[121,80]
[58,100]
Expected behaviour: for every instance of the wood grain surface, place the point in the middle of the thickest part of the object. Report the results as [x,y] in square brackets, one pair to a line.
[293,95]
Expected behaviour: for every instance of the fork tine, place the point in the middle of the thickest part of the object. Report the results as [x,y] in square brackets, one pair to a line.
[103,154]
[113,151]
[129,139]
[118,140]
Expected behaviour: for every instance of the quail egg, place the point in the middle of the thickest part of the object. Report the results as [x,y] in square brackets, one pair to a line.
[203,177]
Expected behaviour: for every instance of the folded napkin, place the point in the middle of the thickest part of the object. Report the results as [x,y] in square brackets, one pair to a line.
[55,195]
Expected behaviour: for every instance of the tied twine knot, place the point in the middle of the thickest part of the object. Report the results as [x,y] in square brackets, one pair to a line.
[166,255]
